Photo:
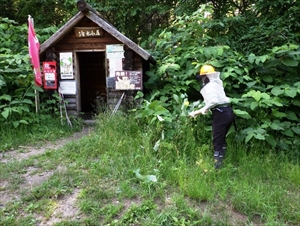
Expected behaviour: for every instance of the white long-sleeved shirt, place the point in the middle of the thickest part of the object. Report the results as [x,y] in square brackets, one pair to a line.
[213,92]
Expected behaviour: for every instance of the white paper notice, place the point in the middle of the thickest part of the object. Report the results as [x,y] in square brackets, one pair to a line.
[68,87]
[115,64]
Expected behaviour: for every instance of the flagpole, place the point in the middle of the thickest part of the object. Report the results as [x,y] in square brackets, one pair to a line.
[37,102]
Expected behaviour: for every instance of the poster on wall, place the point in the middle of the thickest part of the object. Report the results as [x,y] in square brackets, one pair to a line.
[67,87]
[114,54]
[66,65]
[128,80]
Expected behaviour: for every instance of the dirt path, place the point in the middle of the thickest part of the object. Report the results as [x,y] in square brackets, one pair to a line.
[65,208]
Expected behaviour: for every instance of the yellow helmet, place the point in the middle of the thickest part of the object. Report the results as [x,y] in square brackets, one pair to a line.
[206,69]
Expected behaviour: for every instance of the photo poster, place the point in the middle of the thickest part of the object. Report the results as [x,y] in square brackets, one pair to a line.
[66,65]
[128,80]
[115,54]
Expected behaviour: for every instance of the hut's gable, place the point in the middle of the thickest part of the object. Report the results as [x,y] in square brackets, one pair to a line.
[94,16]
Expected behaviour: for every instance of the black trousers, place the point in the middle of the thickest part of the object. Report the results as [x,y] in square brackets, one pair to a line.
[222,119]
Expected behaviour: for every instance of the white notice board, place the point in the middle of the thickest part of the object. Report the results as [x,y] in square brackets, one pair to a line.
[67,87]
[114,54]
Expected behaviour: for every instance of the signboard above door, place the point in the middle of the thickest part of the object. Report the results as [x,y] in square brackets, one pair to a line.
[88,32]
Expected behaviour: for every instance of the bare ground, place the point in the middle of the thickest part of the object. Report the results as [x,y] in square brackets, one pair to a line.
[66,208]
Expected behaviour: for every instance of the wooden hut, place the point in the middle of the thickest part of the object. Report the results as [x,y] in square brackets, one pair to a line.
[88,60]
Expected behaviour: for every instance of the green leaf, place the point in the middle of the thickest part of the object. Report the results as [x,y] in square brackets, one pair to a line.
[260,59]
[27,101]
[278,114]
[286,124]
[271,140]
[288,132]
[253,105]
[297,85]
[265,96]
[277,101]
[147,112]
[242,114]
[277,91]
[271,63]
[5,97]
[257,95]
[290,62]
[176,98]
[296,102]
[220,51]
[291,92]
[291,115]
[276,125]
[251,58]
[296,130]
[250,84]
[5,113]
[259,136]
[268,78]
[249,137]
[16,124]
[37,88]
[16,102]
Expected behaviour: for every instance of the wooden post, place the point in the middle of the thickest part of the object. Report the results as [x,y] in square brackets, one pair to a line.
[37,101]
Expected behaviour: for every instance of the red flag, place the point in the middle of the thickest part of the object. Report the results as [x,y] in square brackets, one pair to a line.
[34,48]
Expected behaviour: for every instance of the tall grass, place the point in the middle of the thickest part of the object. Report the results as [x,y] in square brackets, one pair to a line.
[45,128]
[126,177]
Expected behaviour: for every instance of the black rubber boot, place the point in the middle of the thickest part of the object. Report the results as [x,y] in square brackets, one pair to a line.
[218,159]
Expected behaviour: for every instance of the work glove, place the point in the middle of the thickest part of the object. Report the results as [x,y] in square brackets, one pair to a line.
[192,114]
[203,111]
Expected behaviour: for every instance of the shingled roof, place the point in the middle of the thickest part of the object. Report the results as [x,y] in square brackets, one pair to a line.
[85,10]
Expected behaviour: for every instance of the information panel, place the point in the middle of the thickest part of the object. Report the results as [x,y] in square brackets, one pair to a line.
[128,80]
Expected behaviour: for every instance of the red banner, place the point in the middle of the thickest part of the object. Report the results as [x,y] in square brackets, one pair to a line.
[34,48]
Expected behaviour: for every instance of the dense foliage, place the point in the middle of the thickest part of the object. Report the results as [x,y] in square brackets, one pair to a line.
[261,77]
[17,90]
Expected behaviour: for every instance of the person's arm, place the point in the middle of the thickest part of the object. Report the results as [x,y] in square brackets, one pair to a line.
[195,113]
[210,96]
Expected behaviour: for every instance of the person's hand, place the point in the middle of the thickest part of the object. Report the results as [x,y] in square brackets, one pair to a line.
[192,114]
[202,111]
